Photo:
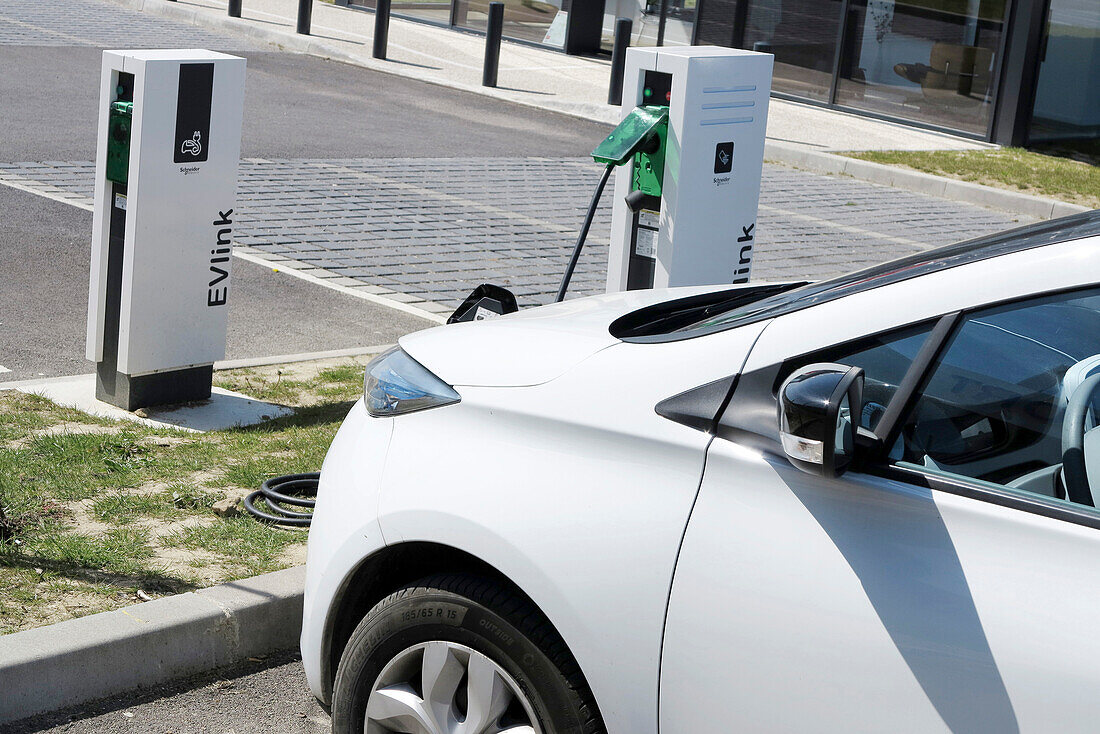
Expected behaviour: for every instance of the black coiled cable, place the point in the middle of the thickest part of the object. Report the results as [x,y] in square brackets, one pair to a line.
[292,489]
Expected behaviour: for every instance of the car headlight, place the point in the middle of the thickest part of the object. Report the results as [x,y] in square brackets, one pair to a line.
[395,383]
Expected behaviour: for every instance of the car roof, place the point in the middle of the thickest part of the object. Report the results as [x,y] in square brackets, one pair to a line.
[1065,229]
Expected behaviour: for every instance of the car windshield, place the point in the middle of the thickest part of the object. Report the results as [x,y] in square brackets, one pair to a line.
[983,248]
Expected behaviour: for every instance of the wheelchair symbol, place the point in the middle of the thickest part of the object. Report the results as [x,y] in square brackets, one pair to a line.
[193,146]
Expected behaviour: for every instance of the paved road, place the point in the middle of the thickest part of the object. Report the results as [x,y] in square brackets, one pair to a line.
[296,106]
[268,697]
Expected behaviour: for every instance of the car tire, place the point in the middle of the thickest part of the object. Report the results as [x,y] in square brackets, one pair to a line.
[395,654]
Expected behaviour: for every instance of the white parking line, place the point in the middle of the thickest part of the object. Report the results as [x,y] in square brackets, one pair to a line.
[4,369]
[844,227]
[291,267]
[16,182]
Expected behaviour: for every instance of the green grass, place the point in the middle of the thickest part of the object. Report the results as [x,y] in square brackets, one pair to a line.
[96,516]
[120,508]
[1052,173]
[122,550]
[342,382]
[239,540]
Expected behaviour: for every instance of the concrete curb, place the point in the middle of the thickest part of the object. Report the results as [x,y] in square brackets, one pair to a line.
[233,364]
[93,657]
[778,152]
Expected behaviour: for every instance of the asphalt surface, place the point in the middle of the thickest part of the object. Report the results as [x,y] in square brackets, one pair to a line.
[296,106]
[264,696]
[44,299]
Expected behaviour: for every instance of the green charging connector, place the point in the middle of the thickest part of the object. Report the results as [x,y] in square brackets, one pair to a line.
[635,132]
[118,141]
[640,137]
[649,163]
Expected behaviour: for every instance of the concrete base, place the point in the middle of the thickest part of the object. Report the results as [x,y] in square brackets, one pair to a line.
[131,392]
[224,409]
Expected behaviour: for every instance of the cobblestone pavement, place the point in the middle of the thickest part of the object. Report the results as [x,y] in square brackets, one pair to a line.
[430,230]
[103,24]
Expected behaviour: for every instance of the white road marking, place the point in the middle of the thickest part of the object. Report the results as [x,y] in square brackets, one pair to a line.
[845,227]
[15,182]
[4,369]
[288,267]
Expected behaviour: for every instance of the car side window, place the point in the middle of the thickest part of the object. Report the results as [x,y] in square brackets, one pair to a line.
[993,405]
[885,358]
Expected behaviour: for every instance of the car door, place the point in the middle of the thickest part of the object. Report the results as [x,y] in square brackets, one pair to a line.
[945,585]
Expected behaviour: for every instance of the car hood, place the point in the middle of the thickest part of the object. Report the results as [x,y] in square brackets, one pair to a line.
[531,346]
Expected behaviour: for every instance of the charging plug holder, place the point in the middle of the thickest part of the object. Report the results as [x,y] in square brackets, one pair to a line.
[639,132]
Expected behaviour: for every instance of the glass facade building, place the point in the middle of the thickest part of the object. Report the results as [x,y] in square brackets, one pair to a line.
[1010,71]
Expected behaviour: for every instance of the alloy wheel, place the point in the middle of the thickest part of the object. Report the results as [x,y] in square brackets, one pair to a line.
[443,687]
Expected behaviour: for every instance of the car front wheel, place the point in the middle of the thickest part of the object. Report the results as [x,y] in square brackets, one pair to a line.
[459,654]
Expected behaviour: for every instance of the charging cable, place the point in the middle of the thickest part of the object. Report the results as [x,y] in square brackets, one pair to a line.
[275,493]
[584,233]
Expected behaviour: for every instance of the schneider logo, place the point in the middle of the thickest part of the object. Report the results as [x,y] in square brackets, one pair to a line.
[723,157]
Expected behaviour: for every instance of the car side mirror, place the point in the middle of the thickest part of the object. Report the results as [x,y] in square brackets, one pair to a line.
[819,409]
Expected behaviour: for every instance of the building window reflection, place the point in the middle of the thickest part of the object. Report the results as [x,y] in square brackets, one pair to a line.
[1067,97]
[803,36]
[932,61]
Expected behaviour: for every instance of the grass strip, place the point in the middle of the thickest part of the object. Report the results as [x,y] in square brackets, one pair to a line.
[94,512]
[1053,173]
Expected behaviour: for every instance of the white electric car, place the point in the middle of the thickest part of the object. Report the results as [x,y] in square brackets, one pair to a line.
[857,505]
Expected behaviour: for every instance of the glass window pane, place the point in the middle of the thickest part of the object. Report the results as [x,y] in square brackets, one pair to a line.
[437,11]
[647,21]
[539,21]
[802,34]
[932,61]
[994,406]
[715,19]
[1067,99]
[884,360]
[645,17]
[472,14]
[680,22]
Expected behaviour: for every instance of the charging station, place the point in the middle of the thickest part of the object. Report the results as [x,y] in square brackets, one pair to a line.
[685,202]
[165,194]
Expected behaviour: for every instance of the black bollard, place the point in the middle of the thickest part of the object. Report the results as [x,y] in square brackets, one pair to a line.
[234,8]
[381,28]
[305,15]
[618,60]
[492,44]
